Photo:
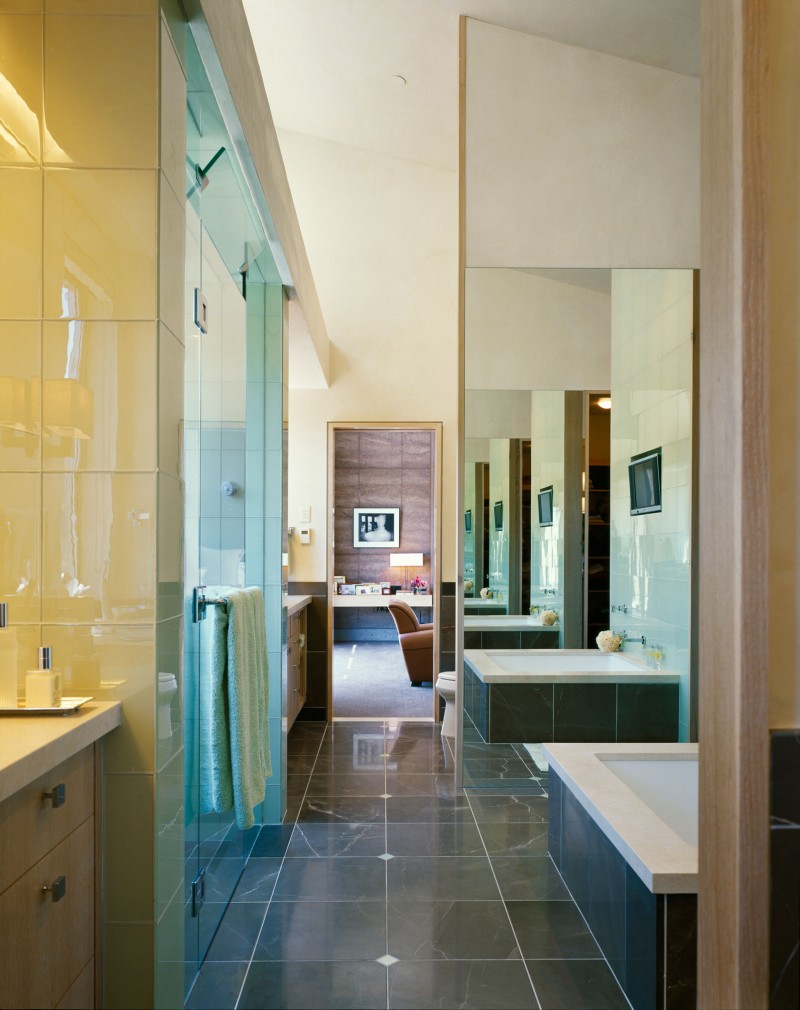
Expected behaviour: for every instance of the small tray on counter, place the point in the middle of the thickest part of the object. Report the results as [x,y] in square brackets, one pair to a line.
[67,706]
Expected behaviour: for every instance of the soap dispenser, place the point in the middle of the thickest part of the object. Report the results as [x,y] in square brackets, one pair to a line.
[43,685]
[8,661]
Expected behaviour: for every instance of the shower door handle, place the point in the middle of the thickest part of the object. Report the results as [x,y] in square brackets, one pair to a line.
[198,604]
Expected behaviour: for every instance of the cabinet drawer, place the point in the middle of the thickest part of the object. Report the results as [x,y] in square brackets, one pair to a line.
[30,825]
[51,942]
[80,994]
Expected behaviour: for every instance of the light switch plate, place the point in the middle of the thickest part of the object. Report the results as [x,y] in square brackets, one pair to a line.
[305,534]
[305,514]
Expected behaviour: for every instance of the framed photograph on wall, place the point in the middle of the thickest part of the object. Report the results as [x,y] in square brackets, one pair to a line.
[376,527]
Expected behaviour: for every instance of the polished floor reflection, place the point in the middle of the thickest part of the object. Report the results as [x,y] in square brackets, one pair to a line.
[389,888]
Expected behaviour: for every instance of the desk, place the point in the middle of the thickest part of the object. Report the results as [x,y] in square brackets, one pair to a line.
[377,600]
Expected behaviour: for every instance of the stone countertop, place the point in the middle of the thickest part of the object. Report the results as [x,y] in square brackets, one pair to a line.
[295,603]
[31,745]
[661,858]
[506,622]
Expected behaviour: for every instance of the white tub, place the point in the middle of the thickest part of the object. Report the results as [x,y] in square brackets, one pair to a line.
[506,622]
[643,797]
[521,666]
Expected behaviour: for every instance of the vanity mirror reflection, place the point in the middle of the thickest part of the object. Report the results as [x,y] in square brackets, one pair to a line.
[568,375]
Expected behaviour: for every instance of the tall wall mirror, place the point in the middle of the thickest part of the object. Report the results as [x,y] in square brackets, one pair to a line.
[578,397]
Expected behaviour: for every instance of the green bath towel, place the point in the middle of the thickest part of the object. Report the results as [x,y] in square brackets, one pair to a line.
[235,762]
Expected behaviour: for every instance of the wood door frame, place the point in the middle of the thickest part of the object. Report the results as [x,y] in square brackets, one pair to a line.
[436,559]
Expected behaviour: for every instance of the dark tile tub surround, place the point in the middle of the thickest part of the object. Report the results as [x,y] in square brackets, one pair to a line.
[571,713]
[785,869]
[649,940]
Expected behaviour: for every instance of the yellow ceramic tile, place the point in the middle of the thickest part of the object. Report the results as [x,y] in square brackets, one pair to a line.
[170,546]
[114,7]
[128,964]
[169,834]
[128,821]
[101,91]
[170,406]
[172,109]
[20,89]
[21,6]
[100,244]
[20,242]
[20,545]
[20,409]
[99,396]
[99,550]
[171,258]
[170,948]
[113,663]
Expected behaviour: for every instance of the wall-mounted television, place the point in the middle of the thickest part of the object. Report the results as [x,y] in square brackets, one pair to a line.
[546,506]
[468,521]
[498,515]
[644,477]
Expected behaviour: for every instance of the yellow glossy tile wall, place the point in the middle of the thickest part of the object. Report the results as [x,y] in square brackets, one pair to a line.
[117,8]
[113,663]
[129,967]
[20,406]
[172,241]
[108,65]
[99,548]
[20,89]
[99,395]
[128,873]
[21,246]
[20,545]
[100,244]
[172,108]
[170,403]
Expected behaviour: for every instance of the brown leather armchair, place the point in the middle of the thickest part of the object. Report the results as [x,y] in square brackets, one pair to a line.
[416,641]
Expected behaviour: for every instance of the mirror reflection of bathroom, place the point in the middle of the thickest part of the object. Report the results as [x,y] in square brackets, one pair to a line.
[550,439]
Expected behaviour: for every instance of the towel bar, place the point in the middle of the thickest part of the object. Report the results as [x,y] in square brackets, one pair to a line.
[200,602]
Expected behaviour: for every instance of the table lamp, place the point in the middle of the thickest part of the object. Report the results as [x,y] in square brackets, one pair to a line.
[406,561]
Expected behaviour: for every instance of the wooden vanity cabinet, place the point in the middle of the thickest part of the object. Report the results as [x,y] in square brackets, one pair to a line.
[296,674]
[48,840]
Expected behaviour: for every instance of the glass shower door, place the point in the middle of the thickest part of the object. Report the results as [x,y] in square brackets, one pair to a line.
[222,241]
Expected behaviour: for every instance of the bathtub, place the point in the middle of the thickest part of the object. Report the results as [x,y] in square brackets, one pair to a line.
[622,830]
[547,695]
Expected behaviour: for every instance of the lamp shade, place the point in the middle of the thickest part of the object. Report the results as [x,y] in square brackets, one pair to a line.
[406,560]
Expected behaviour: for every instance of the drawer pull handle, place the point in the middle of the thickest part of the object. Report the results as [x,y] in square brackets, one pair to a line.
[58,796]
[58,888]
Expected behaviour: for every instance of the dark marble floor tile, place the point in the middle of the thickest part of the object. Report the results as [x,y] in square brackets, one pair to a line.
[551,929]
[448,930]
[347,783]
[423,808]
[421,761]
[217,985]
[441,985]
[514,838]
[310,839]
[301,764]
[479,769]
[529,878]
[273,840]
[258,880]
[443,839]
[512,807]
[296,785]
[345,810]
[441,877]
[237,933]
[298,985]
[356,879]
[576,985]
[333,763]
[404,783]
[221,877]
[323,931]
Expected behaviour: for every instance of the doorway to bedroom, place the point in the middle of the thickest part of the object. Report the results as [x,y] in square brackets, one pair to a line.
[383,563]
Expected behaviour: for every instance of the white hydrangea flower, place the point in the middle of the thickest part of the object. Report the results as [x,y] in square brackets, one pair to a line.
[549,617]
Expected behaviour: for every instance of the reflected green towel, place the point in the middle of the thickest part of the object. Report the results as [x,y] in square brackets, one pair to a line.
[234,702]
[248,701]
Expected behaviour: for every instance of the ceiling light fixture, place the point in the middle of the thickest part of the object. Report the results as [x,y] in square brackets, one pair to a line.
[604,402]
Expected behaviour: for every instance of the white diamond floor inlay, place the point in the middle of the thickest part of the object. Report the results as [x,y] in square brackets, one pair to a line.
[385,796]
[387,959]
[385,856]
